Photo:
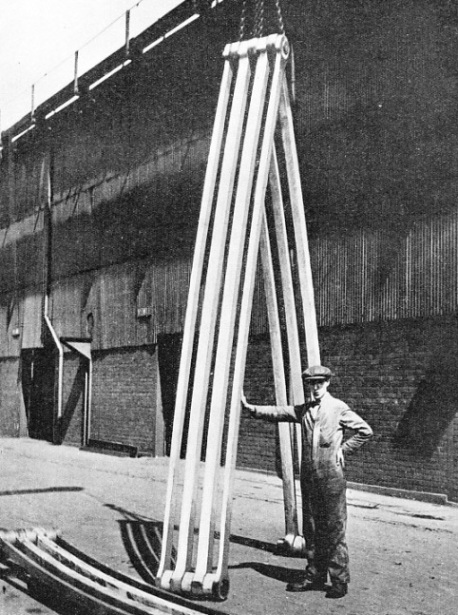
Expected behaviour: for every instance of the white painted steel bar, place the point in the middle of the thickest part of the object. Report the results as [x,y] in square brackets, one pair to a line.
[292,329]
[227,319]
[208,320]
[191,312]
[298,440]
[300,229]
[287,432]
[112,596]
[219,580]
[281,396]
[66,559]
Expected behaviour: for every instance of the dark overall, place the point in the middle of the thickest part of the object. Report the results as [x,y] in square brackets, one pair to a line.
[323,482]
[323,485]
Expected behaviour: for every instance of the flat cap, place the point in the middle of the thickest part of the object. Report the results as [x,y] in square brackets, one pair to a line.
[317,372]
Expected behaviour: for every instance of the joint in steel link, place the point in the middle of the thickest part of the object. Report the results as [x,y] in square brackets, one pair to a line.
[292,544]
[216,586]
[280,43]
[210,585]
[176,583]
[165,580]
[240,49]
[197,588]
[187,582]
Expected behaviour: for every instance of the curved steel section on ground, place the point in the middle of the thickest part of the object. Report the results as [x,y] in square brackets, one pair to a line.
[51,562]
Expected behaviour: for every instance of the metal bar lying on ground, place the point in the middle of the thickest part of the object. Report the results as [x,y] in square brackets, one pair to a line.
[52,565]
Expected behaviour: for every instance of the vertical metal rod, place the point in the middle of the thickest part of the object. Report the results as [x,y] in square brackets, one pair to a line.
[75,74]
[127,43]
[85,396]
[60,350]
[48,235]
[32,110]
[293,75]
[89,401]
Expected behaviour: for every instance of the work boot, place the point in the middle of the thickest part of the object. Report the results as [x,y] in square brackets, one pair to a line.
[337,590]
[307,584]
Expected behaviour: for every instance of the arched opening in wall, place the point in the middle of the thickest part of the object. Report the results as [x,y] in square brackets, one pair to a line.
[38,383]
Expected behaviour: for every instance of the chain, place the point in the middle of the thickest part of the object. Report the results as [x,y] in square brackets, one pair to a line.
[256,11]
[281,25]
[259,19]
[243,21]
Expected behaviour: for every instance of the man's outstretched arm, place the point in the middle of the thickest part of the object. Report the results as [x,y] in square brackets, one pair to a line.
[274,414]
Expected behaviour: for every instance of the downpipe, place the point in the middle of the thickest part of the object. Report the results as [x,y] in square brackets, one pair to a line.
[47,177]
[60,350]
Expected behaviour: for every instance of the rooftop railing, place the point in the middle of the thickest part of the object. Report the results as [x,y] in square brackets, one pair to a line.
[117,35]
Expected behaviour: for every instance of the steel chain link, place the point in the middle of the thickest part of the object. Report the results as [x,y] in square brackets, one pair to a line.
[255,12]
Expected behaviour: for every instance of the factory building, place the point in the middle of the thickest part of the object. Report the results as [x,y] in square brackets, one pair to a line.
[99,204]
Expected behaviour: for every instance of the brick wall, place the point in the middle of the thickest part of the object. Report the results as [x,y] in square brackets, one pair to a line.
[9,398]
[400,377]
[124,397]
[71,425]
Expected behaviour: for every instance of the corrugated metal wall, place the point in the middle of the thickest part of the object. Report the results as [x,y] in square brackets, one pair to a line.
[359,277]
[374,275]
[113,297]
[375,116]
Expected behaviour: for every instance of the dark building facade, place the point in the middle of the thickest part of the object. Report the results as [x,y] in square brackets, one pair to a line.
[99,205]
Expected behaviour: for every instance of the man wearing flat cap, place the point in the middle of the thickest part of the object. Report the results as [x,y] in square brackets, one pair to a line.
[324,420]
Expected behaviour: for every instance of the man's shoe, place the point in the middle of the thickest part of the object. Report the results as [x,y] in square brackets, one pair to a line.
[337,590]
[306,585]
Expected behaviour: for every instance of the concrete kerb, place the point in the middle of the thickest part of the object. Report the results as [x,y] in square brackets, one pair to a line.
[419,496]
[141,467]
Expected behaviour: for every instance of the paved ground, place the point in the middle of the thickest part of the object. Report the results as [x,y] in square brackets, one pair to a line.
[404,553]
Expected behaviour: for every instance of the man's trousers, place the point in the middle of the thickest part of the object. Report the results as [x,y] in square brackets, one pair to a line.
[324,512]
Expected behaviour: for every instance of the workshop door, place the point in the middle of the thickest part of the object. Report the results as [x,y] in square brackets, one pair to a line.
[169,347]
[38,384]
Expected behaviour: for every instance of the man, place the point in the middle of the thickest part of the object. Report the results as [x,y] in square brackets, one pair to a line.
[324,419]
